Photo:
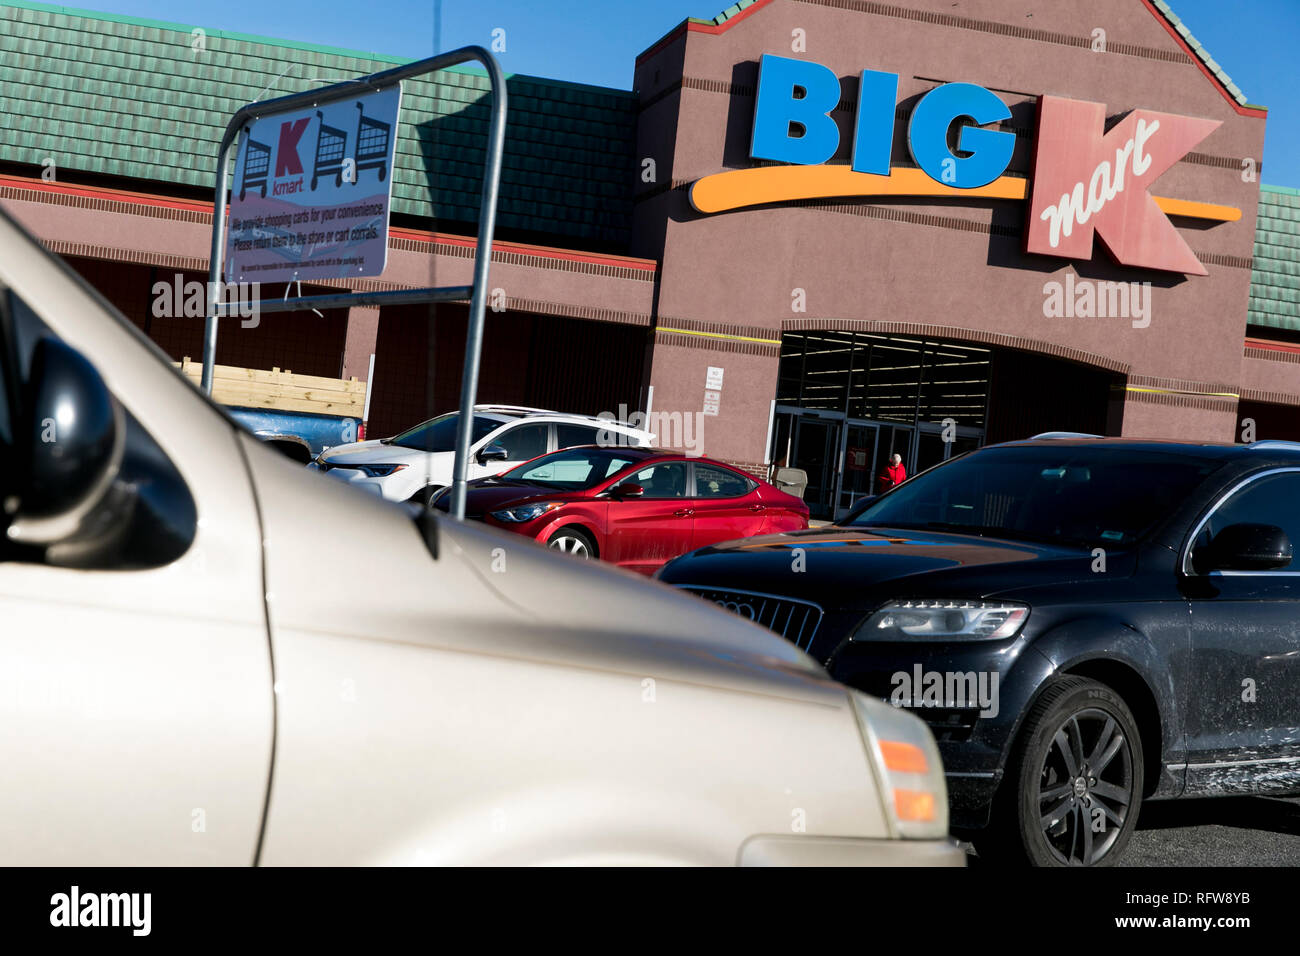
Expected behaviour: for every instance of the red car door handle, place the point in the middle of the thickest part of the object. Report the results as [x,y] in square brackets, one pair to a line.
[758,507]
[683,512]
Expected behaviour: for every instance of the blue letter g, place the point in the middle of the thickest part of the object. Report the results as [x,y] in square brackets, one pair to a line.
[927,137]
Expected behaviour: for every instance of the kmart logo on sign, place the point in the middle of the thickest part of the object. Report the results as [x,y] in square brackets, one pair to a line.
[1086,182]
[1091,182]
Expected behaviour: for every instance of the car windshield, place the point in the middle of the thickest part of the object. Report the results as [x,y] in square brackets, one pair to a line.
[1071,495]
[574,469]
[439,434]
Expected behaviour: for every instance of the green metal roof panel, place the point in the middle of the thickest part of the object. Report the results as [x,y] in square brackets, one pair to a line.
[1167,12]
[1275,281]
[726,14]
[129,97]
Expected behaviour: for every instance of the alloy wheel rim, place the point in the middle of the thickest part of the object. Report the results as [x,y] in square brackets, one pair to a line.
[570,544]
[1085,788]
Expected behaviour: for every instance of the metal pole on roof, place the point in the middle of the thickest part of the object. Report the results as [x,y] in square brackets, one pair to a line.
[482,261]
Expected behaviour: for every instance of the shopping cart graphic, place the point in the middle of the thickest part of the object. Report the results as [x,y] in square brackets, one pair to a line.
[331,147]
[372,144]
[257,163]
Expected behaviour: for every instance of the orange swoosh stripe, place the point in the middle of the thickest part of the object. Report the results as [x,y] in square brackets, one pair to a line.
[1197,210]
[738,188]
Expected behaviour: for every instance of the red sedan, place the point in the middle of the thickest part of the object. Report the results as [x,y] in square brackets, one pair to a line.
[634,507]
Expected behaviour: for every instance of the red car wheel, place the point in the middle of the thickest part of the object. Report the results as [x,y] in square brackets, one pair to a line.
[573,541]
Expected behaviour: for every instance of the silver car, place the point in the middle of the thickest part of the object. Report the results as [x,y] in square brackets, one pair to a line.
[212,657]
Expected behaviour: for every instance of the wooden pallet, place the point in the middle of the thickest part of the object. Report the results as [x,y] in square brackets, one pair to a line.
[280,390]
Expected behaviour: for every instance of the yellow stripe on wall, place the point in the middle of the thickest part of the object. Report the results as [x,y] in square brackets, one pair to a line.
[719,335]
[1174,391]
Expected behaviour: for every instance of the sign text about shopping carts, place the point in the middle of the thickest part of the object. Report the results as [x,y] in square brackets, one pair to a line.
[311,192]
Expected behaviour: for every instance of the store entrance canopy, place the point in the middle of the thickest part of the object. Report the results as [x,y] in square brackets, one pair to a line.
[365,86]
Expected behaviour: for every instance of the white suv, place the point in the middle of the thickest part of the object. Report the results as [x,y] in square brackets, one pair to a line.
[416,464]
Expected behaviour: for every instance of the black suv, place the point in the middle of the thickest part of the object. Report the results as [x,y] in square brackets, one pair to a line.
[1084,624]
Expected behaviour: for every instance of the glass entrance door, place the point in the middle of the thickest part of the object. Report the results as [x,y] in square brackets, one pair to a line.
[816,449]
[894,440]
[845,459]
[938,443]
[857,477]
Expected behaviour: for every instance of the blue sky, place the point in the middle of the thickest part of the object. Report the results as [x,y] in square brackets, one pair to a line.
[596,41]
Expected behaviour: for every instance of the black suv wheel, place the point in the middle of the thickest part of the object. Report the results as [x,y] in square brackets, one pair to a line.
[1074,782]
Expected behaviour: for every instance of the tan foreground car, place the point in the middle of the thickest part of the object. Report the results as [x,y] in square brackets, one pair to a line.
[210,656]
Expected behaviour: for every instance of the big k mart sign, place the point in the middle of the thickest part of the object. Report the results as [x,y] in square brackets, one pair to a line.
[1087,183]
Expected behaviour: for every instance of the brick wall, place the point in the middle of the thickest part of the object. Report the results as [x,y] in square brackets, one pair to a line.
[302,342]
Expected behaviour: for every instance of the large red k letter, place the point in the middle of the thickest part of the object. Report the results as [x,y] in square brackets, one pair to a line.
[287,162]
[1086,182]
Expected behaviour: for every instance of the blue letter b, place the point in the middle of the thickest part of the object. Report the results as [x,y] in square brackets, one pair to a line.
[778,110]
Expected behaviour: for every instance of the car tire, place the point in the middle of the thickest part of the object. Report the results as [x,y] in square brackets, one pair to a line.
[1073,787]
[573,541]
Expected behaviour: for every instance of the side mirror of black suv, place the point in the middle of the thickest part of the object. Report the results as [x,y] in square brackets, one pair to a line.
[1246,547]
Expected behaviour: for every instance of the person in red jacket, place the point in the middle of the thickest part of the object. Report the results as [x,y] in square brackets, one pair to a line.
[894,473]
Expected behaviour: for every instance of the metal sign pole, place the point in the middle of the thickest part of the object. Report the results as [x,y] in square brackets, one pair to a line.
[478,305]
[215,263]
[483,257]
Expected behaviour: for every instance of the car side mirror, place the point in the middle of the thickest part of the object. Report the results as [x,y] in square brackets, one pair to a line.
[493,453]
[861,505]
[1246,547]
[73,433]
[626,490]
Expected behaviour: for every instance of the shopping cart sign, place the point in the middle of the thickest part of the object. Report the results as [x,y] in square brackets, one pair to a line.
[312,191]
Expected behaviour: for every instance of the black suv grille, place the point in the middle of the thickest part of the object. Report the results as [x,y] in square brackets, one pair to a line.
[796,621]
[948,723]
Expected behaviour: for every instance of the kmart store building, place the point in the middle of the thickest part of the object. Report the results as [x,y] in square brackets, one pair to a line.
[824,230]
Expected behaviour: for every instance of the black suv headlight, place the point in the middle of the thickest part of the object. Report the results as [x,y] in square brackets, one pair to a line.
[938,620]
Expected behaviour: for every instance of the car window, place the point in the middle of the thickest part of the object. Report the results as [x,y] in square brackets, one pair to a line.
[566,436]
[1273,499]
[574,469]
[146,518]
[714,482]
[6,423]
[667,479]
[25,329]
[523,442]
[1071,494]
[439,434]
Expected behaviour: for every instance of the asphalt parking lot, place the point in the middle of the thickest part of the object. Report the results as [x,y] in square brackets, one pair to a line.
[1226,831]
